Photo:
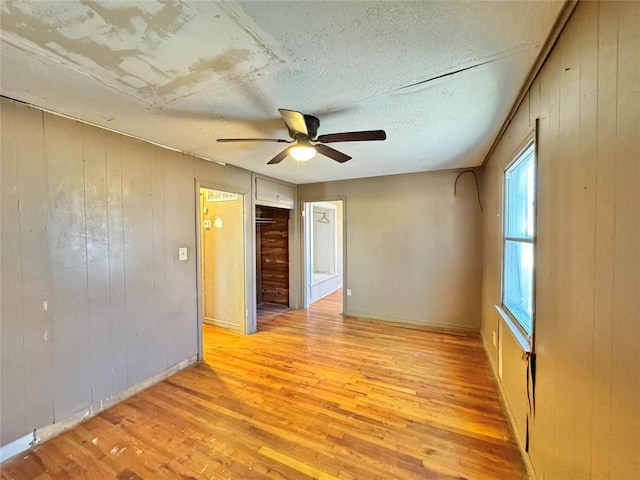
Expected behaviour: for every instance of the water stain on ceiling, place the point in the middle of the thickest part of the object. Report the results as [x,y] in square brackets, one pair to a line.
[154,51]
[439,77]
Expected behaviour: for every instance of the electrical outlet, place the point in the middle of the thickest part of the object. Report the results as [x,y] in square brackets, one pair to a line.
[348,292]
[182,254]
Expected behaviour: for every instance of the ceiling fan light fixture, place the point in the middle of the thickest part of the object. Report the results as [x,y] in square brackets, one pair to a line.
[303,130]
[302,153]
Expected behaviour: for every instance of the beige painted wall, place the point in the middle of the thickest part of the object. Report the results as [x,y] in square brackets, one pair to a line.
[587,97]
[223,263]
[413,249]
[94,299]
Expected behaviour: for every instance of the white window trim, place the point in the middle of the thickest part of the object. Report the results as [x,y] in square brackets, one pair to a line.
[525,339]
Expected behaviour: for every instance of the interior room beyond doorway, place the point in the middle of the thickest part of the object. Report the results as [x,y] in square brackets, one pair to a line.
[324,249]
[222,258]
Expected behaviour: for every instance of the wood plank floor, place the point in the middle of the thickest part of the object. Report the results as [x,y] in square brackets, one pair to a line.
[266,310]
[312,395]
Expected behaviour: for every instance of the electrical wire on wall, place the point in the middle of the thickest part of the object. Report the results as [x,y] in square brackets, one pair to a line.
[455,186]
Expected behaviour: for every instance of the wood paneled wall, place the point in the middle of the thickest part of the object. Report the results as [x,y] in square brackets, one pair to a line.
[273,255]
[587,333]
[94,299]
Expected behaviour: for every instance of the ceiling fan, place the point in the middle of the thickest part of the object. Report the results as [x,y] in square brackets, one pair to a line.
[303,130]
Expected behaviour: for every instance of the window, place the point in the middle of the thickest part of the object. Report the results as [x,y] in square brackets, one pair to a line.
[519,239]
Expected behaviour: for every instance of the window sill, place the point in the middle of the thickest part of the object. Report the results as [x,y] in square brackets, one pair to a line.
[521,338]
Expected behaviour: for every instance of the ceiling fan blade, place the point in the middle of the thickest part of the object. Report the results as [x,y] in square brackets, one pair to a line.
[279,157]
[228,140]
[363,136]
[295,122]
[332,153]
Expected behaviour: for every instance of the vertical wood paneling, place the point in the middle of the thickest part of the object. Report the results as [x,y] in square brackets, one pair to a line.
[258,264]
[138,252]
[117,294]
[625,392]
[68,263]
[12,393]
[38,345]
[586,422]
[97,231]
[546,262]
[160,252]
[565,158]
[491,254]
[274,255]
[514,379]
[535,99]
[604,247]
[94,234]
[180,216]
[551,250]
[584,280]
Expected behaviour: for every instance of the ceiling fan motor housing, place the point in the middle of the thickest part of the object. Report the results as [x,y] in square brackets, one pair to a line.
[313,123]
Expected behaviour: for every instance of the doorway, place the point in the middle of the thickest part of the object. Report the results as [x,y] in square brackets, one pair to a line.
[272,261]
[222,259]
[324,250]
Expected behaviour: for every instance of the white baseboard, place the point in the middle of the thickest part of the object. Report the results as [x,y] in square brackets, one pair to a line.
[222,324]
[16,447]
[440,327]
[45,433]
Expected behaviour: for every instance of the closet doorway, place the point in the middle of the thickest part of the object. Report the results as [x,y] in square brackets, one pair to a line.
[222,259]
[324,252]
[272,260]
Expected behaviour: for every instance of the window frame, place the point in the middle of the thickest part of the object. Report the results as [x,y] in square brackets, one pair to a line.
[523,337]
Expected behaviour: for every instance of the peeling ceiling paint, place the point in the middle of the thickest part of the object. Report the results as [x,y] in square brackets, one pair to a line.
[439,77]
[154,51]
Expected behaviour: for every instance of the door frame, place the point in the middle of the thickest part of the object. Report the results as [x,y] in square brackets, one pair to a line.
[306,241]
[247,246]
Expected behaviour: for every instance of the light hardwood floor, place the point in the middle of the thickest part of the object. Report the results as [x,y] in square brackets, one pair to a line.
[311,395]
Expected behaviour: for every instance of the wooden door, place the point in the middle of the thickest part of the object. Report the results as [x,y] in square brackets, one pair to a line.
[272,250]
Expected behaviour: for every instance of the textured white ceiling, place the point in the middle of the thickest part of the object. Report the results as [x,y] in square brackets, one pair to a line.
[439,77]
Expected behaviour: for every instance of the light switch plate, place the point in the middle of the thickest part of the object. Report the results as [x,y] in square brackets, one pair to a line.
[182,254]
